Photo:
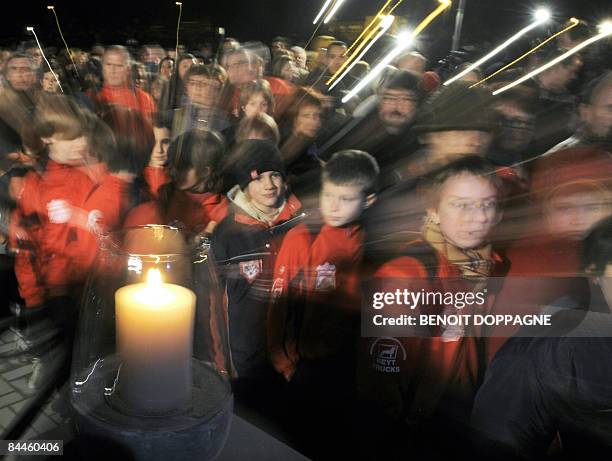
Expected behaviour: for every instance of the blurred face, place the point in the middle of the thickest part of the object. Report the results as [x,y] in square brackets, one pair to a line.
[20,75]
[397,108]
[266,191]
[341,204]
[203,91]
[335,58]
[239,69]
[71,152]
[289,71]
[115,69]
[466,211]
[445,145]
[36,55]
[183,67]
[516,127]
[300,57]
[165,69]
[558,77]
[571,215]
[49,84]
[308,121]
[159,155]
[257,103]
[140,79]
[278,46]
[597,116]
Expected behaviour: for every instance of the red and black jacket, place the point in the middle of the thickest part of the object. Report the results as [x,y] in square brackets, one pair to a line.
[245,251]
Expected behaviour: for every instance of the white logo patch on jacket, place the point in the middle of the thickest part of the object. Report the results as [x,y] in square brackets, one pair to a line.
[251,269]
[326,277]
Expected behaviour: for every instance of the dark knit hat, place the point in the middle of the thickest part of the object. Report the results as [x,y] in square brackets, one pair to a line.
[456,108]
[401,80]
[254,157]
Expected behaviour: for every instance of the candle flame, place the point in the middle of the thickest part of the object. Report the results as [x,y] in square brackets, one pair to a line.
[154,278]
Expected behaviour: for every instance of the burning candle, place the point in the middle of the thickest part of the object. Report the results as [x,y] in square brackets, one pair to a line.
[155,339]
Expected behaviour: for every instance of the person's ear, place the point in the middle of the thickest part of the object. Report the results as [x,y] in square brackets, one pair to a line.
[47,141]
[433,215]
[369,200]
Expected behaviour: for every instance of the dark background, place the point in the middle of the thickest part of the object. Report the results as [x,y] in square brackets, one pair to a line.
[87,22]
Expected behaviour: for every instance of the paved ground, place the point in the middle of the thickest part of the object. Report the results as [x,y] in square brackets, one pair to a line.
[16,397]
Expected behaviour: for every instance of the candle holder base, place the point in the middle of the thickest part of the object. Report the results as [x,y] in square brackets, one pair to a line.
[198,434]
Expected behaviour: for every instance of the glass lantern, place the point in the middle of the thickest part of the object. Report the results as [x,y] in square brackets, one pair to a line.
[151,369]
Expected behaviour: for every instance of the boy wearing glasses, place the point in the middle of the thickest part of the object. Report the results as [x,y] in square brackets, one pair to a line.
[429,388]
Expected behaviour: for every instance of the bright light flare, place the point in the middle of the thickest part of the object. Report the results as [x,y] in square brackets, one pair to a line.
[385,24]
[605,27]
[403,36]
[50,7]
[325,6]
[605,32]
[542,15]
[540,19]
[333,11]
[405,43]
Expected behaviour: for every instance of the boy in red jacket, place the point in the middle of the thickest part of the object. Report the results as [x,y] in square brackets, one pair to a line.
[317,266]
[314,313]
[422,379]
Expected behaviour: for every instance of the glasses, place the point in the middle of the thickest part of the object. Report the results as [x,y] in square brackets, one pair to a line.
[488,206]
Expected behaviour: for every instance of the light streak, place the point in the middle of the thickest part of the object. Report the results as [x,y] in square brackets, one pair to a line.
[573,23]
[385,24]
[605,31]
[333,11]
[541,17]
[31,29]
[325,6]
[178,25]
[52,8]
[405,43]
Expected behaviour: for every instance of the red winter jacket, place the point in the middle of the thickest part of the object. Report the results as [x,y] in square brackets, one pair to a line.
[132,98]
[425,375]
[71,211]
[316,272]
[194,211]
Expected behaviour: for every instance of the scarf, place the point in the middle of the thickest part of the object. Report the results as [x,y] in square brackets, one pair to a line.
[239,198]
[475,264]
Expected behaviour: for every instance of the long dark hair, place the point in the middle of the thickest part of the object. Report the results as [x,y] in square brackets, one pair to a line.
[197,149]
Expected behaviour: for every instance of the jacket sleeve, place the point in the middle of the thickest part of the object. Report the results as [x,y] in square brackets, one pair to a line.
[26,266]
[287,290]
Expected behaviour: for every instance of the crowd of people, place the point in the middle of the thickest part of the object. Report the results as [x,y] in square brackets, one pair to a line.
[305,199]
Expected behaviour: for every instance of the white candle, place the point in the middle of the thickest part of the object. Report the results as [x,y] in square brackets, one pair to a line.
[155,339]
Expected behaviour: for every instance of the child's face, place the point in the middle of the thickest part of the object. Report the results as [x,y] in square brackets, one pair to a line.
[266,190]
[71,152]
[466,211]
[256,104]
[341,204]
[572,214]
[159,155]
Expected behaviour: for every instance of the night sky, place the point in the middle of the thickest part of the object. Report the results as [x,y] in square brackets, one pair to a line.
[155,21]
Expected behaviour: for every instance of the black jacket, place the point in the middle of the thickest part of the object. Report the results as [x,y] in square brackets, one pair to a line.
[245,250]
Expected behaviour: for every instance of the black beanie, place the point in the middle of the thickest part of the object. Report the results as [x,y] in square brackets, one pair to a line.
[256,156]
